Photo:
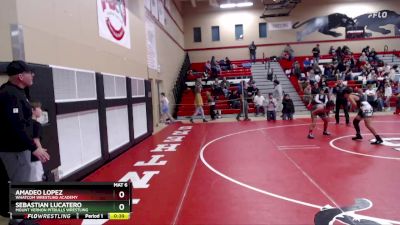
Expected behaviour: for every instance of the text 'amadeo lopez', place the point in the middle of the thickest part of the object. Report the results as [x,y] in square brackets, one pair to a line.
[43,195]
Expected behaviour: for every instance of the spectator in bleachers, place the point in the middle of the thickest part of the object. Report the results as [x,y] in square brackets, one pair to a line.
[207,67]
[339,54]
[346,50]
[392,72]
[371,96]
[296,69]
[388,94]
[314,88]
[270,74]
[216,88]
[316,52]
[380,104]
[233,101]
[372,56]
[271,105]
[332,51]
[228,63]
[215,68]
[251,88]
[288,108]
[225,84]
[252,50]
[306,63]
[363,58]
[366,50]
[258,102]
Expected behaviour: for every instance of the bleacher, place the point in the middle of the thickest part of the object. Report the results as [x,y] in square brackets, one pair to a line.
[234,76]
[355,84]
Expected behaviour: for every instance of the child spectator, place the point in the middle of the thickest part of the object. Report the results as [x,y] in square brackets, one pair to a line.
[288,108]
[36,165]
[270,107]
[165,116]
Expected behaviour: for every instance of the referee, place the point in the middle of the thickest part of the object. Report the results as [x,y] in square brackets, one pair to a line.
[16,143]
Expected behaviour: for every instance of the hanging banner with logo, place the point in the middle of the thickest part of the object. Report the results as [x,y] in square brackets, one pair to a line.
[152,61]
[161,12]
[284,25]
[114,22]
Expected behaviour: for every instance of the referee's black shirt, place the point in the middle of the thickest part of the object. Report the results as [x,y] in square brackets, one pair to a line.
[15,120]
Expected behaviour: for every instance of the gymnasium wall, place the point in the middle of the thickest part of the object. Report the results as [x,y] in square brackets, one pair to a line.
[204,17]
[66,33]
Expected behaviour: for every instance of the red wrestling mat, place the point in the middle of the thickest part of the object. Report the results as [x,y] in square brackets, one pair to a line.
[260,173]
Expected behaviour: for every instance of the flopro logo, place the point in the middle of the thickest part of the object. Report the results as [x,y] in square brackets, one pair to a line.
[114,12]
[393,142]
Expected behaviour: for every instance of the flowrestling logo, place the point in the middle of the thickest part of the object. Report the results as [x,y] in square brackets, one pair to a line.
[113,21]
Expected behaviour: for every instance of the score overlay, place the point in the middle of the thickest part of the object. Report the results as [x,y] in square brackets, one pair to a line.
[73,200]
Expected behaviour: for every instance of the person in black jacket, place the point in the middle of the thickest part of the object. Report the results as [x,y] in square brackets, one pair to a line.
[288,108]
[16,143]
[341,102]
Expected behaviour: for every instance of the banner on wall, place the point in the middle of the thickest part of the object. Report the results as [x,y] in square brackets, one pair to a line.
[284,25]
[152,61]
[114,22]
[161,12]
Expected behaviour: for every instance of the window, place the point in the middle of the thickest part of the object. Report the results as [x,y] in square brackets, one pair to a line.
[215,33]
[197,34]
[238,31]
[262,30]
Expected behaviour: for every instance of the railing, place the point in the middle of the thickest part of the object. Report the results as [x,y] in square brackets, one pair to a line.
[180,85]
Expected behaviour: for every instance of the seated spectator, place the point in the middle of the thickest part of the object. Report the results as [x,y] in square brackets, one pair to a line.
[346,50]
[233,100]
[225,84]
[363,58]
[296,70]
[372,56]
[366,50]
[332,51]
[207,67]
[216,88]
[228,63]
[392,73]
[215,68]
[288,108]
[258,102]
[306,63]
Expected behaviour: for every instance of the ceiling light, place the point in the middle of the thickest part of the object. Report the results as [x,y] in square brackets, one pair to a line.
[244,4]
[227,6]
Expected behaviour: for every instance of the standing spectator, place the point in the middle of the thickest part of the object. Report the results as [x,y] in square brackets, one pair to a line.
[316,52]
[233,100]
[228,63]
[16,143]
[371,96]
[36,166]
[215,68]
[278,94]
[288,108]
[207,67]
[332,51]
[341,101]
[258,102]
[165,115]
[198,101]
[252,49]
[244,105]
[225,84]
[270,107]
[388,94]
[307,64]
[288,50]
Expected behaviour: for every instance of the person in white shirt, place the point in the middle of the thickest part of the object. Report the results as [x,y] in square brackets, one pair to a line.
[388,94]
[278,94]
[258,102]
[371,95]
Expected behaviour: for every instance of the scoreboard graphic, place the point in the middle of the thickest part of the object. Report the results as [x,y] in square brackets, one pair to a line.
[75,200]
